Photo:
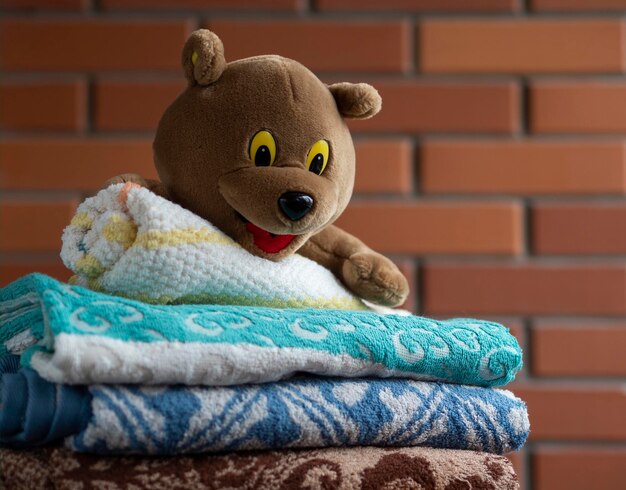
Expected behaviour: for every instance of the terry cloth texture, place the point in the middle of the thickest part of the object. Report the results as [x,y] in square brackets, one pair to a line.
[79,336]
[131,242]
[301,413]
[366,468]
[34,411]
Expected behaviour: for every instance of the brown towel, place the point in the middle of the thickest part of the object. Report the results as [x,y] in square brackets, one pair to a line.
[333,468]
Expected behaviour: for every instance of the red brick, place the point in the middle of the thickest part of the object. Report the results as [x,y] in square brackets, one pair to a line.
[521,46]
[43,4]
[523,167]
[579,468]
[9,272]
[92,44]
[577,5]
[78,164]
[324,45]
[436,228]
[519,289]
[35,105]
[132,105]
[425,107]
[584,349]
[591,413]
[384,166]
[586,228]
[151,5]
[417,5]
[578,107]
[33,226]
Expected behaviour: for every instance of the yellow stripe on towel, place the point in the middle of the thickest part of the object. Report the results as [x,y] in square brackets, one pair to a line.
[334,303]
[89,266]
[81,221]
[154,239]
[120,230]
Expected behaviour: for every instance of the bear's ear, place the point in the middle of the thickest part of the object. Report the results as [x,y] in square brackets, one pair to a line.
[203,58]
[356,100]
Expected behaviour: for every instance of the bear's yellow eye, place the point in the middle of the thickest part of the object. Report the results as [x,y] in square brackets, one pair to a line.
[318,157]
[263,149]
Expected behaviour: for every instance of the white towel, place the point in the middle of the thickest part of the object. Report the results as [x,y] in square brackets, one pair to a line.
[130,242]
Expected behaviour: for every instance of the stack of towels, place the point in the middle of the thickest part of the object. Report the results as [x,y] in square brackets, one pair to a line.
[174,341]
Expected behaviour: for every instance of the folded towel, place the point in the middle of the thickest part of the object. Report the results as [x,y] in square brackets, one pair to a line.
[366,468]
[130,242]
[34,411]
[69,334]
[302,412]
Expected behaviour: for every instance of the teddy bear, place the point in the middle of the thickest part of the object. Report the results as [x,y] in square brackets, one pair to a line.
[260,148]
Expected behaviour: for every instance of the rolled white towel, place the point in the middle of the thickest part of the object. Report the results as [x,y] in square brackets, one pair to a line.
[130,242]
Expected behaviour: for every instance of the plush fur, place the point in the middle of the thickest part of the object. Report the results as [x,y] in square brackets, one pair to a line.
[202,154]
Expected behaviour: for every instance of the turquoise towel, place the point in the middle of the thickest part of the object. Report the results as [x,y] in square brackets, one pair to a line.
[69,334]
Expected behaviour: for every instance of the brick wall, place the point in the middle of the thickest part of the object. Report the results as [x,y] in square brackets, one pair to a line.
[495,175]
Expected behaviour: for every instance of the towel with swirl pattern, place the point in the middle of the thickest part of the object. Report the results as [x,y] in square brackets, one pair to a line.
[69,334]
[368,468]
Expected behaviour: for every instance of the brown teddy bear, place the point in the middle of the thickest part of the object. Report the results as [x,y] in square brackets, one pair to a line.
[259,147]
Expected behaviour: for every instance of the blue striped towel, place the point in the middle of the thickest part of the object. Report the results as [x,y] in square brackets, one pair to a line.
[296,413]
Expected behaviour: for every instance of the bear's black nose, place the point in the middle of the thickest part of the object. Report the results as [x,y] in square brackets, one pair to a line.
[295,204]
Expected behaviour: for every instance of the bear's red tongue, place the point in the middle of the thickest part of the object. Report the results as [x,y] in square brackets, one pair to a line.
[266,241]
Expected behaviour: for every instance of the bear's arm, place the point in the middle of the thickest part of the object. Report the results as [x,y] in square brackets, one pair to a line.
[367,273]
